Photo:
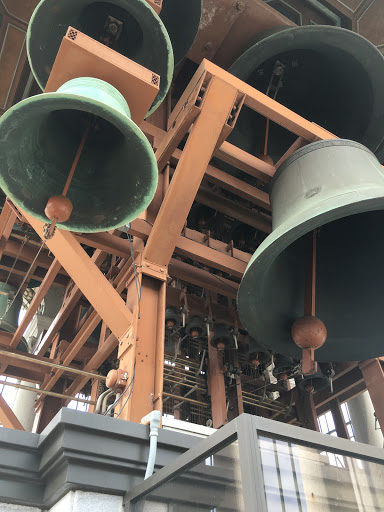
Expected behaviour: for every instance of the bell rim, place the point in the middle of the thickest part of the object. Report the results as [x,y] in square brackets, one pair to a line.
[373,65]
[120,121]
[165,81]
[189,6]
[355,202]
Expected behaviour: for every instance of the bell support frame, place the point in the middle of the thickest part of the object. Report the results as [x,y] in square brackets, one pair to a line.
[208,110]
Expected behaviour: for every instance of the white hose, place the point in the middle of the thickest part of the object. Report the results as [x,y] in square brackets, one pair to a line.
[100,400]
[153,419]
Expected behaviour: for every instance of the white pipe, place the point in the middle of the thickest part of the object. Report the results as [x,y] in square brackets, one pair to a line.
[153,420]
[100,400]
[105,400]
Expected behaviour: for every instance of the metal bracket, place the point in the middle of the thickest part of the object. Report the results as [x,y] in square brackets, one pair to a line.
[154,270]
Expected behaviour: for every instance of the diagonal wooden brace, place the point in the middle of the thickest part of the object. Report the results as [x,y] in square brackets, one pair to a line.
[94,285]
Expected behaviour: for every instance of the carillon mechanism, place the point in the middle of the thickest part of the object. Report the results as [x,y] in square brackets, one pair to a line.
[211,252]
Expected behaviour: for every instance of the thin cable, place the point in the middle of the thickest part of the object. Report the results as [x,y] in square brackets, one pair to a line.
[137,280]
[120,397]
[17,258]
[25,278]
[130,393]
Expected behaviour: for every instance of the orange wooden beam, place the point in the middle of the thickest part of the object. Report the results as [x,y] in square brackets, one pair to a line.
[97,289]
[7,417]
[217,105]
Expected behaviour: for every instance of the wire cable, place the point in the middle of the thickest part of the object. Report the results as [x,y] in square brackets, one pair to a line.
[17,258]
[137,280]
[130,393]
[123,393]
[24,280]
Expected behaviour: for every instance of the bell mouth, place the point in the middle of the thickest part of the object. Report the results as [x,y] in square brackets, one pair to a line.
[144,39]
[326,70]
[349,266]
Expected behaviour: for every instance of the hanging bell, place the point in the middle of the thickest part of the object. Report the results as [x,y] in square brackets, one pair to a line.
[196,328]
[10,306]
[311,384]
[336,187]
[329,75]
[182,20]
[222,339]
[130,27]
[257,354]
[283,366]
[172,319]
[116,176]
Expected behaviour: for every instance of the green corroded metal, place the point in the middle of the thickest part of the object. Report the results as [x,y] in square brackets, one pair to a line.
[181,19]
[143,39]
[337,186]
[116,177]
[332,76]
[9,320]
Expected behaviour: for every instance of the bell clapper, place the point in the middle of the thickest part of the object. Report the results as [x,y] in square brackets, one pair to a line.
[309,332]
[59,208]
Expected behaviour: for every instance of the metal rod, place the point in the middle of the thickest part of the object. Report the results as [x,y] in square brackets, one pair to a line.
[13,355]
[45,392]
[76,160]
[185,396]
[186,399]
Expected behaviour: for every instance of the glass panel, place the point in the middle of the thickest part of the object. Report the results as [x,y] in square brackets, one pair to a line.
[214,485]
[302,479]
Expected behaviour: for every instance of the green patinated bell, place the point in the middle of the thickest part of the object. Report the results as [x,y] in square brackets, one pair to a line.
[9,320]
[338,187]
[143,38]
[331,76]
[116,177]
[182,20]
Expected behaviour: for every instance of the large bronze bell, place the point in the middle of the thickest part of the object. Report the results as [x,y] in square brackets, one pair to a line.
[336,187]
[182,20]
[329,75]
[130,27]
[10,306]
[116,176]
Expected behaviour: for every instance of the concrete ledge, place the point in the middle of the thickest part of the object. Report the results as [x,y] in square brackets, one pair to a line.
[83,451]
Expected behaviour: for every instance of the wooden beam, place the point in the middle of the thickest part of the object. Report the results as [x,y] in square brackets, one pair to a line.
[218,102]
[36,301]
[97,289]
[7,417]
